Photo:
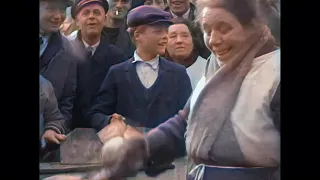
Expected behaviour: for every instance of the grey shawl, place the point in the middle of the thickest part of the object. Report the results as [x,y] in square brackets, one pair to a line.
[206,118]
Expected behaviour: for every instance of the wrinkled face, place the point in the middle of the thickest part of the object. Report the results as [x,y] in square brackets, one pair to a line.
[180,43]
[223,33]
[118,9]
[179,7]
[155,3]
[51,15]
[91,19]
[152,39]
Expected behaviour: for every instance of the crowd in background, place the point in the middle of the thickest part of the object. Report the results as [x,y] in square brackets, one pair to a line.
[142,59]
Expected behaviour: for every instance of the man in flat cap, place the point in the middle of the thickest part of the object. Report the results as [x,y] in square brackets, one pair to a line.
[57,58]
[98,55]
[146,89]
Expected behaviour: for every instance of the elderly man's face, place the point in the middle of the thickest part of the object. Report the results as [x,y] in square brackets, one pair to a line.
[179,7]
[91,19]
[52,15]
[118,8]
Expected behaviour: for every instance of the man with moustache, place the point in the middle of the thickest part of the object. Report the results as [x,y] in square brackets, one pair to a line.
[57,59]
[147,88]
[115,26]
[98,55]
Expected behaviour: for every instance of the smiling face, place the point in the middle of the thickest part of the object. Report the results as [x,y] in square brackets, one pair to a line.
[52,15]
[152,38]
[179,7]
[180,43]
[91,19]
[223,33]
[119,8]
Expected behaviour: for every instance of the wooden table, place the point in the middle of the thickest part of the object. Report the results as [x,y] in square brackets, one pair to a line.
[51,169]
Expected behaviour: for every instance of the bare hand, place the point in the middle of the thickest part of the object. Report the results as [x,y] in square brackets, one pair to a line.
[50,136]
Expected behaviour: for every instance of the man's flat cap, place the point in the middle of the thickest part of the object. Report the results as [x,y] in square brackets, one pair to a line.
[79,4]
[147,15]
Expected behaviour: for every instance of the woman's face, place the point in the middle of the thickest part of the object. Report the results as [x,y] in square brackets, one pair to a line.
[223,33]
[180,43]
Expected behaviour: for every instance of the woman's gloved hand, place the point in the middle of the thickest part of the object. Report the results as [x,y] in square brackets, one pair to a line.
[123,157]
[124,150]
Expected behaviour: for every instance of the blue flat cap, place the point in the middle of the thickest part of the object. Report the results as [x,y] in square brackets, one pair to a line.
[79,4]
[143,15]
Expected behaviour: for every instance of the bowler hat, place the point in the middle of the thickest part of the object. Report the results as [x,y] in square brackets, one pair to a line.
[79,4]
[143,15]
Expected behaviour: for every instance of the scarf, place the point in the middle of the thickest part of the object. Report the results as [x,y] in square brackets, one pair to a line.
[216,100]
[192,57]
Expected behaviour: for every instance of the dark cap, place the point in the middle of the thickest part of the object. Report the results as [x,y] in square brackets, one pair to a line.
[79,4]
[143,15]
[66,2]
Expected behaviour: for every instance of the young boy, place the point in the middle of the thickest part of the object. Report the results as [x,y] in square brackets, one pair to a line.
[145,89]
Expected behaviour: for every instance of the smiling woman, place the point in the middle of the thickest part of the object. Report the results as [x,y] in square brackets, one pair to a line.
[229,27]
[230,123]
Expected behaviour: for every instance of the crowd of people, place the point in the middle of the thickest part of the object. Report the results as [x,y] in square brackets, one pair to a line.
[205,71]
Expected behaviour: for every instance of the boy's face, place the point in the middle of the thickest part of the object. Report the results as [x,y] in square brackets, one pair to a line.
[152,38]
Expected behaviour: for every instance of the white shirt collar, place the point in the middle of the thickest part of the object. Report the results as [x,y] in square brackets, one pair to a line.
[154,63]
[94,47]
[45,37]
[185,15]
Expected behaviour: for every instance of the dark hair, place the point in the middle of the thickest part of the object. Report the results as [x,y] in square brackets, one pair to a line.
[194,31]
[244,10]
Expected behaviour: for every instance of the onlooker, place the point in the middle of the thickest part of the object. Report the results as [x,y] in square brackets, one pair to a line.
[181,8]
[97,55]
[185,9]
[52,124]
[182,48]
[146,89]
[57,58]
[156,3]
[115,26]
[69,25]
